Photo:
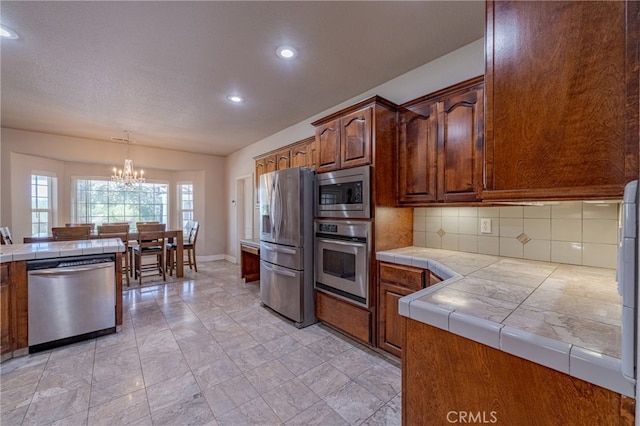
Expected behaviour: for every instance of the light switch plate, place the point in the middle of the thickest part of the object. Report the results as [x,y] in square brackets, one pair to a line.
[485,226]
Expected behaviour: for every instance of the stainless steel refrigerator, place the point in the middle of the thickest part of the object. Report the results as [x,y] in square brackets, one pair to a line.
[286,244]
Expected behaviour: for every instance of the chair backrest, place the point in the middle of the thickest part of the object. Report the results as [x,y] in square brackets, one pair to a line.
[114,231]
[6,235]
[73,225]
[70,233]
[193,232]
[151,235]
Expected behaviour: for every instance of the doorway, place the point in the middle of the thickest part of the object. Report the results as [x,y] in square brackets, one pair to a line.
[245,207]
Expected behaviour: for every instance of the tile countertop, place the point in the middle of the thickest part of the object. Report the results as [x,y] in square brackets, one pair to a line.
[15,252]
[255,242]
[565,317]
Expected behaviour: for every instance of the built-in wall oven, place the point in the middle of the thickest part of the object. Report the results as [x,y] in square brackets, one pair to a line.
[342,259]
[344,193]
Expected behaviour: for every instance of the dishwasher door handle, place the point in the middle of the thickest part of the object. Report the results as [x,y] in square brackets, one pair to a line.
[71,269]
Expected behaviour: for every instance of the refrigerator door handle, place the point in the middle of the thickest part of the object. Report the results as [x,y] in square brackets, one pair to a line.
[277,210]
[271,207]
[278,249]
[278,271]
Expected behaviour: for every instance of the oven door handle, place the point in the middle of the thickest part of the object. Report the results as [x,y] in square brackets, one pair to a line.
[278,271]
[342,243]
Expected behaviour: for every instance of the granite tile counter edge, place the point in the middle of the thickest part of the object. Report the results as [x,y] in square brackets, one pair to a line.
[52,250]
[593,367]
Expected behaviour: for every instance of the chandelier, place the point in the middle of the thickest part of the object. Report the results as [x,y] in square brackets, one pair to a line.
[126,177]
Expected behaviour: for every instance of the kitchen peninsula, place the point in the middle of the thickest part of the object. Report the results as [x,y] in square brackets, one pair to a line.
[508,337]
[14,297]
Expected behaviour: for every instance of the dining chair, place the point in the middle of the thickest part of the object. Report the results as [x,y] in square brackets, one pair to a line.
[72,225]
[70,233]
[6,236]
[122,232]
[150,242]
[189,246]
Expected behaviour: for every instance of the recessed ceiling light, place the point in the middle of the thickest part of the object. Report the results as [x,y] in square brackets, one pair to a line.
[286,52]
[7,33]
[235,98]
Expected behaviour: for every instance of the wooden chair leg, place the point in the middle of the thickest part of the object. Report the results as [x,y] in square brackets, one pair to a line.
[193,252]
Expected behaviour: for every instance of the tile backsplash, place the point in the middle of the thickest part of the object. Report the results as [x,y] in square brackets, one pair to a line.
[579,233]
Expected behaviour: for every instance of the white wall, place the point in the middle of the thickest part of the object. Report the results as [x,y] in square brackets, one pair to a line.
[23,152]
[457,66]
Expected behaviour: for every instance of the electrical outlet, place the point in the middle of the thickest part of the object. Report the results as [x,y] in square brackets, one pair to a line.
[485,226]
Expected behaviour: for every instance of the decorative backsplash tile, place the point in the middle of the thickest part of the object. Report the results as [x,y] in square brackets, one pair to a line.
[580,233]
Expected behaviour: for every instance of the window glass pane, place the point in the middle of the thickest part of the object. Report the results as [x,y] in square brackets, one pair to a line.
[99,201]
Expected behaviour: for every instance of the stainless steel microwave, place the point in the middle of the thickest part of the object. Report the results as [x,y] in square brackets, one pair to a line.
[344,193]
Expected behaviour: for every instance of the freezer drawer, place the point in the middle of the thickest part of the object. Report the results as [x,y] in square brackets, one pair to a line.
[281,289]
[289,257]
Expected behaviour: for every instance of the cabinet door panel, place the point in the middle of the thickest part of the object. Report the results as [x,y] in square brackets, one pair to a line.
[356,138]
[328,146]
[559,120]
[417,154]
[390,324]
[5,311]
[460,146]
[271,164]
[282,160]
[299,156]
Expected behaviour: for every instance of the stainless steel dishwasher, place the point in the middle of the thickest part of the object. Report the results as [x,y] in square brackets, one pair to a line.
[70,299]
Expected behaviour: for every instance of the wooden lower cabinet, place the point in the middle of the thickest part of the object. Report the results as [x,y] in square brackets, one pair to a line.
[6,311]
[390,324]
[13,308]
[249,263]
[447,378]
[396,281]
[344,316]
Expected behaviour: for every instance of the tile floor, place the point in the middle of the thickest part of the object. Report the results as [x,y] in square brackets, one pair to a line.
[202,351]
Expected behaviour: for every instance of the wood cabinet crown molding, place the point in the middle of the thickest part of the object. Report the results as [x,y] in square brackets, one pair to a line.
[285,147]
[374,99]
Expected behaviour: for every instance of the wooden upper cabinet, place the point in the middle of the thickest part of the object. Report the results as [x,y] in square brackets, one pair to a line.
[328,146]
[283,159]
[302,154]
[417,159]
[460,145]
[562,99]
[345,139]
[440,146]
[355,139]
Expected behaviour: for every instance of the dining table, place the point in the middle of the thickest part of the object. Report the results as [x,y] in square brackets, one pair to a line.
[174,234]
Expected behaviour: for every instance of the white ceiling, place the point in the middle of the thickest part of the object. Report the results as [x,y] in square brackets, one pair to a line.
[163,69]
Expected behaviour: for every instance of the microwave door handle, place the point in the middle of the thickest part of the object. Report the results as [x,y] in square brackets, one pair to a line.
[278,271]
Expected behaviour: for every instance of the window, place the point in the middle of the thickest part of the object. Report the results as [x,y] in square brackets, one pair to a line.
[185,203]
[99,201]
[41,204]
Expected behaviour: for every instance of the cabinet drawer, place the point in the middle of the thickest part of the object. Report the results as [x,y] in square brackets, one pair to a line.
[405,276]
[250,249]
[344,316]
